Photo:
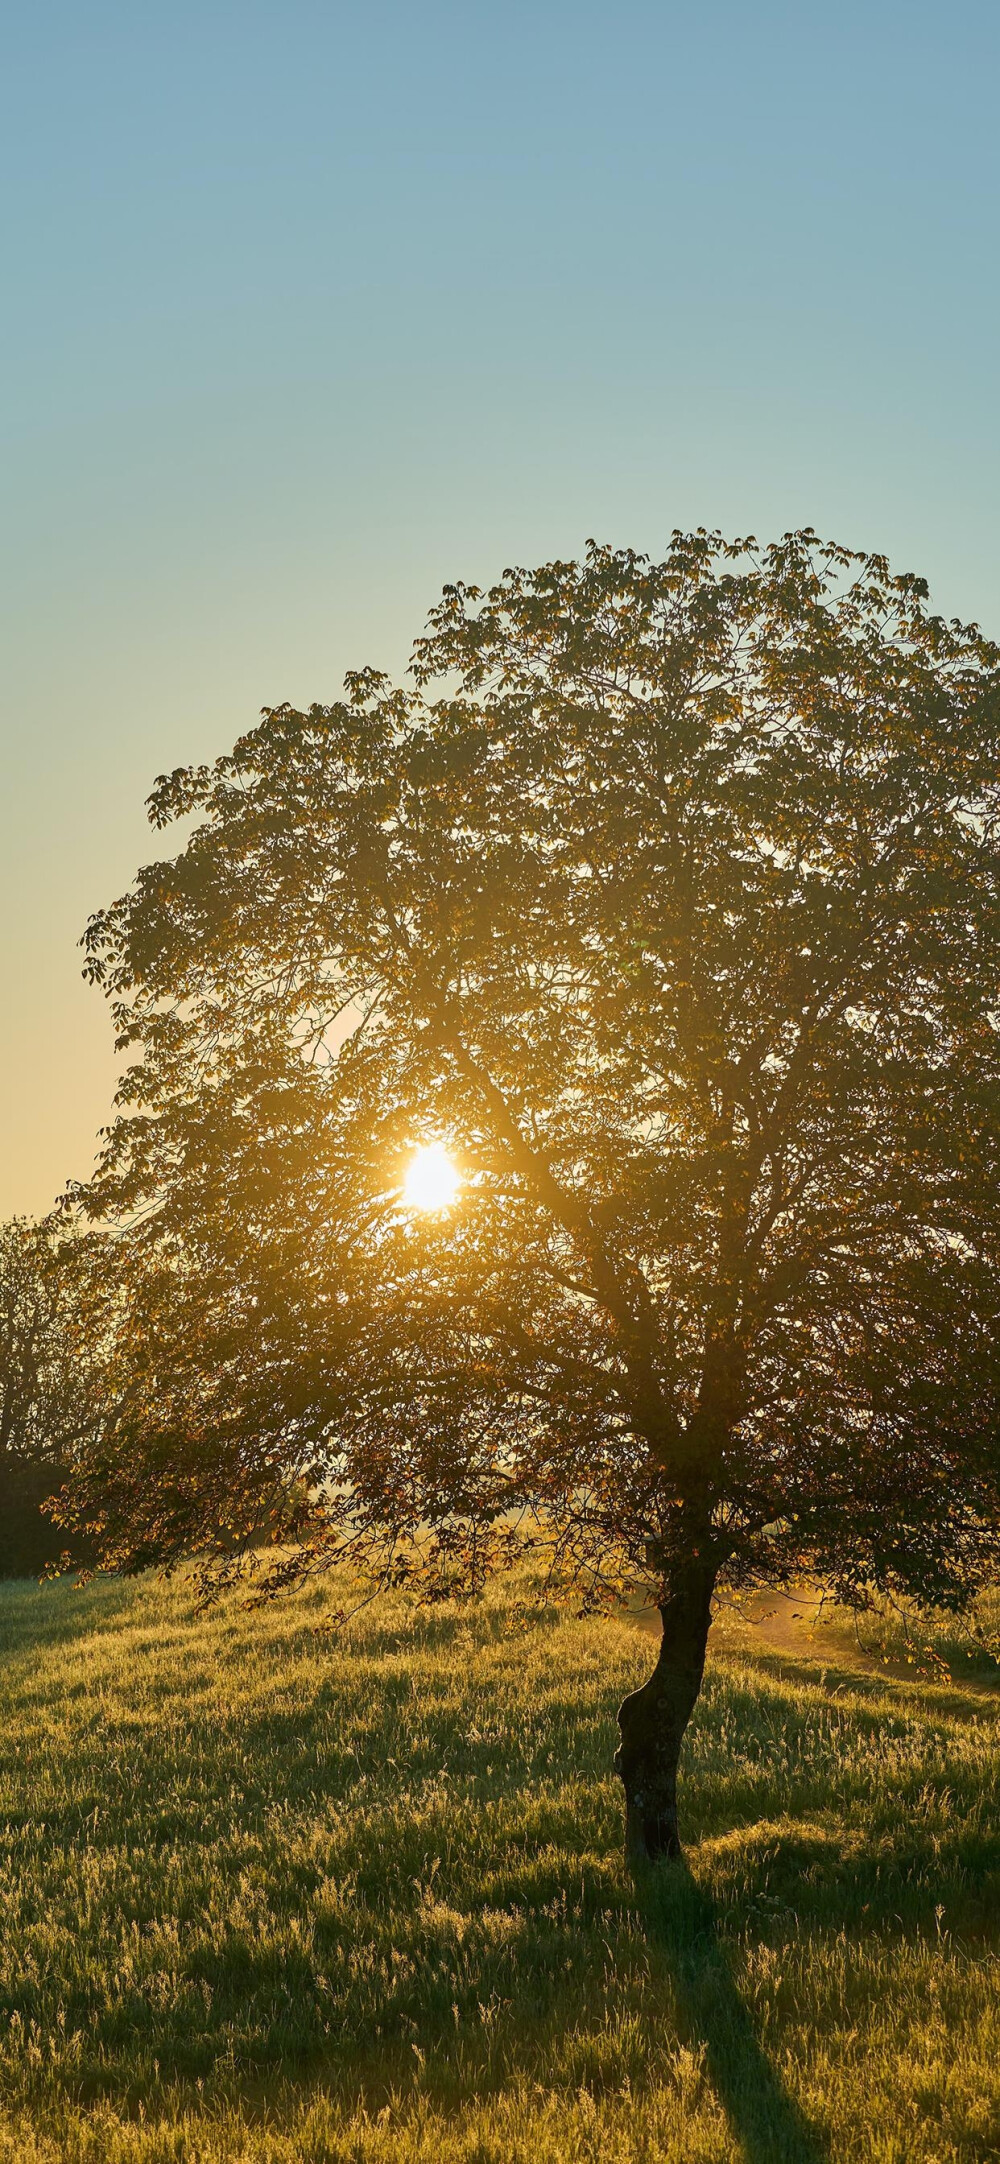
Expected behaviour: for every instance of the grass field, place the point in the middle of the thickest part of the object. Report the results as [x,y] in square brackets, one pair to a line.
[271,1896]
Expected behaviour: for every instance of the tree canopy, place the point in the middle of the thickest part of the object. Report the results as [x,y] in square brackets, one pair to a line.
[666,898]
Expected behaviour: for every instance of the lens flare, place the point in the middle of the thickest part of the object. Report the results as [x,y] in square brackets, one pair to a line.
[432,1181]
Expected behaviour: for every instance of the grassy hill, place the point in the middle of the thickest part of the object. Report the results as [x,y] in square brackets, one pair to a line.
[271,1896]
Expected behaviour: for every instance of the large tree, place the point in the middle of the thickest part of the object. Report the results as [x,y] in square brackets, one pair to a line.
[667,900]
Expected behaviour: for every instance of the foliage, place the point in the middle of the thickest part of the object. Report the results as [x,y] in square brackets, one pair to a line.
[34,1374]
[667,900]
[296,1898]
[39,1392]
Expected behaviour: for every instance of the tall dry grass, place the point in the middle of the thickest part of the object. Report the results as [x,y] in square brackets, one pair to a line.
[274,1896]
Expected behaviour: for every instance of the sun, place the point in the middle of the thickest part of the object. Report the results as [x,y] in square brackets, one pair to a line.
[432,1181]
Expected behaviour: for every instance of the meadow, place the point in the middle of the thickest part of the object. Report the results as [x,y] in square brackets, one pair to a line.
[275,1895]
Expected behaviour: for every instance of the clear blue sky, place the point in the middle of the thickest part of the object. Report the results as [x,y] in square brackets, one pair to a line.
[310,308]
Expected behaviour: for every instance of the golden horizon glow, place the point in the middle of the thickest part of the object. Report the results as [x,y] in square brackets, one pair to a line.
[432,1180]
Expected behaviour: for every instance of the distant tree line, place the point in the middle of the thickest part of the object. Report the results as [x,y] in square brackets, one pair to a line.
[40,1398]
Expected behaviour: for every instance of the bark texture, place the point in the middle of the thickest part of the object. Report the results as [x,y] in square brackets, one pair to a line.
[653,1720]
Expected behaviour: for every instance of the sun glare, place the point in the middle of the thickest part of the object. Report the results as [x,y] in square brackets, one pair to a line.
[432,1181]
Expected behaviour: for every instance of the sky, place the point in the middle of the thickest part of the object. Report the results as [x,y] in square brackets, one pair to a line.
[311,308]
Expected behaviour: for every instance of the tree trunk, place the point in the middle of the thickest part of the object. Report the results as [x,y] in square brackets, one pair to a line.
[653,1720]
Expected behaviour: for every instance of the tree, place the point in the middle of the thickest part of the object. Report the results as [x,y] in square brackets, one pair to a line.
[38,1393]
[667,901]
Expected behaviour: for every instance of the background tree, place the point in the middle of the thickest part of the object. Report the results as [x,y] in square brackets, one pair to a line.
[39,1397]
[668,901]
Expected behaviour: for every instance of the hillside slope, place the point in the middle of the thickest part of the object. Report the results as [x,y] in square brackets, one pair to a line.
[279,1897]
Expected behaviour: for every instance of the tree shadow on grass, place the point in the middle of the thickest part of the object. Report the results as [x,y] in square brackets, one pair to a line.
[680,1921]
[913,1696]
[36,1615]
